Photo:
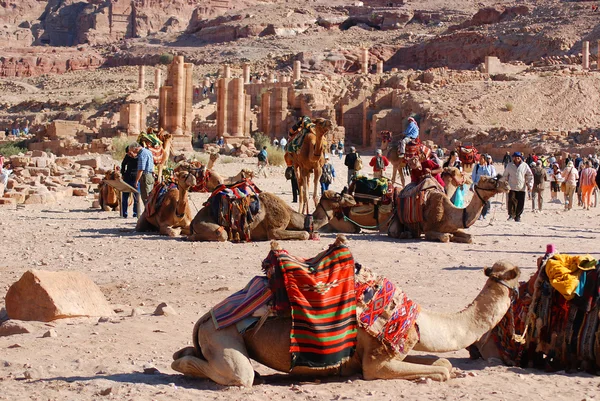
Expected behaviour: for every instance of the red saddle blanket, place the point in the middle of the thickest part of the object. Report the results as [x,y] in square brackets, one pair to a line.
[320,293]
[416,148]
[157,196]
[468,154]
[410,200]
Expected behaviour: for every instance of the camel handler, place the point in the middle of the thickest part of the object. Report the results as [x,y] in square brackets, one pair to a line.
[410,133]
[379,163]
[419,170]
[145,168]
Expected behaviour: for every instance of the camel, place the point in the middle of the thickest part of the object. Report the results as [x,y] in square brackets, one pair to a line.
[224,355]
[309,160]
[160,154]
[207,180]
[108,196]
[212,159]
[444,221]
[174,211]
[274,220]
[452,178]
[398,163]
[244,174]
[351,220]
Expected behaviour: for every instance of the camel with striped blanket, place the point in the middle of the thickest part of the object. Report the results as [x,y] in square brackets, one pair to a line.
[224,355]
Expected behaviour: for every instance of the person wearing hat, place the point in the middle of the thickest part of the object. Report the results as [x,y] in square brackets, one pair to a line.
[570,175]
[379,162]
[350,162]
[519,178]
[483,168]
[539,182]
[327,175]
[410,133]
[129,167]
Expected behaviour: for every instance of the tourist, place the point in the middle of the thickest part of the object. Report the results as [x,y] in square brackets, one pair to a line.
[145,167]
[275,143]
[410,133]
[555,181]
[263,161]
[290,174]
[283,143]
[350,162]
[420,170]
[340,149]
[577,162]
[519,177]
[483,169]
[332,148]
[587,180]
[129,167]
[327,175]
[529,159]
[440,153]
[379,163]
[221,142]
[453,161]
[3,176]
[570,176]
[539,179]
[506,159]
[205,140]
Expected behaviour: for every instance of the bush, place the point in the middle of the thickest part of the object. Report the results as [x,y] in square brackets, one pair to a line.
[14,148]
[509,106]
[119,143]
[261,140]
[276,156]
[165,58]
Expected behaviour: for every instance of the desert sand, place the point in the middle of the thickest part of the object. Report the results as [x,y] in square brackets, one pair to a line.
[90,360]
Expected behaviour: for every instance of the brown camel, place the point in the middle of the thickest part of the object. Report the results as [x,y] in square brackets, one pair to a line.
[108,196]
[351,220]
[206,180]
[275,219]
[224,355]
[398,163]
[444,221]
[309,160]
[174,212]
[212,159]
[244,174]
[453,178]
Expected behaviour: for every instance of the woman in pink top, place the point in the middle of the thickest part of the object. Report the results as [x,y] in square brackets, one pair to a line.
[587,181]
[570,175]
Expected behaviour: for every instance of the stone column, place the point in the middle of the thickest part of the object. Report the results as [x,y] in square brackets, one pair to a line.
[265,110]
[237,117]
[297,70]
[246,73]
[598,57]
[163,101]
[380,67]
[221,106]
[177,99]
[227,71]
[157,79]
[364,68]
[189,98]
[271,78]
[586,55]
[142,77]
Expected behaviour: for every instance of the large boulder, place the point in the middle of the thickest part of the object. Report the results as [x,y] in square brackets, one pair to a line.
[45,296]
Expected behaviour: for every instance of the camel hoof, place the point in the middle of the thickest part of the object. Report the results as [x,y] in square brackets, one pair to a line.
[187,351]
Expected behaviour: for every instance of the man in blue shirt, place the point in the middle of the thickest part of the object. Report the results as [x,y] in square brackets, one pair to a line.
[410,133]
[145,168]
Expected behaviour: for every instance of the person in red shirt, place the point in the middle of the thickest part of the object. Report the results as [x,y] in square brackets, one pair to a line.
[418,170]
[379,163]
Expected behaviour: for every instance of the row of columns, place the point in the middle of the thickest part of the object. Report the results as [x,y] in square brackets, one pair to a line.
[585,62]
[364,63]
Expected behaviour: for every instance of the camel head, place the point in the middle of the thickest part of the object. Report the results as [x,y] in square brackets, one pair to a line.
[114,174]
[332,200]
[323,126]
[504,271]
[185,179]
[490,186]
[213,156]
[246,173]
[386,139]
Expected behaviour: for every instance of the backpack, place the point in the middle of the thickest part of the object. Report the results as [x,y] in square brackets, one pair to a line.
[262,157]
[358,164]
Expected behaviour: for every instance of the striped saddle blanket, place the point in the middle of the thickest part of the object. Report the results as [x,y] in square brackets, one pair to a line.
[320,294]
[157,196]
[410,200]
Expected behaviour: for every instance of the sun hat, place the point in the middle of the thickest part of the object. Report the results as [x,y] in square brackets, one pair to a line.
[378,151]
[518,154]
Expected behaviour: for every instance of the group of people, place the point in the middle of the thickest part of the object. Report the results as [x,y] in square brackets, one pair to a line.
[280,143]
[137,170]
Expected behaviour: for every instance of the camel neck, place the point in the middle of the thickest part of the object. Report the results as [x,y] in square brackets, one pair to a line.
[182,201]
[450,332]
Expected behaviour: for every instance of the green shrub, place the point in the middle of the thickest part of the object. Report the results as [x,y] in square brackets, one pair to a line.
[119,143]
[165,58]
[275,156]
[13,148]
[261,140]
[509,106]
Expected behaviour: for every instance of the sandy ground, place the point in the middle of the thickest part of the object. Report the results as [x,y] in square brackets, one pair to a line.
[88,358]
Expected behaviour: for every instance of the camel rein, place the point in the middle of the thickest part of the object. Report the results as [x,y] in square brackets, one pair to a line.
[514,291]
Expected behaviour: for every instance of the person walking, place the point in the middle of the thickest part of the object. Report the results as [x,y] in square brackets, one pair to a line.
[587,180]
[332,148]
[129,172]
[519,178]
[570,176]
[539,179]
[327,175]
[483,169]
[283,143]
[410,133]
[290,174]
[506,159]
[145,168]
[379,163]
[555,181]
[340,149]
[263,161]
[350,162]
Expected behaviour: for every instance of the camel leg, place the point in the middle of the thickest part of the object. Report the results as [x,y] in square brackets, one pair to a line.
[167,230]
[461,237]
[300,192]
[185,231]
[317,179]
[142,224]
[227,361]
[394,171]
[282,234]
[437,236]
[398,369]
[430,360]
[205,231]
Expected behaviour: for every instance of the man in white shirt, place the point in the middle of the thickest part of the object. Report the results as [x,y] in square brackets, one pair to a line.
[519,177]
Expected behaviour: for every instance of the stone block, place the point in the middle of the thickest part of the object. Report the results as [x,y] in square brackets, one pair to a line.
[11,183]
[80,192]
[94,163]
[12,327]
[19,197]
[39,171]
[46,296]
[40,161]
[38,153]
[97,179]
[37,199]
[63,161]
[20,161]
[7,201]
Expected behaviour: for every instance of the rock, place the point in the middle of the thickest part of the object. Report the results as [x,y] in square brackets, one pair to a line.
[50,333]
[80,192]
[15,346]
[106,391]
[151,371]
[11,327]
[94,163]
[164,310]
[104,319]
[46,296]
[8,201]
[136,312]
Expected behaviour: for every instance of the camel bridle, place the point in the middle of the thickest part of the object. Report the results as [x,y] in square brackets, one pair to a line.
[478,188]
[513,291]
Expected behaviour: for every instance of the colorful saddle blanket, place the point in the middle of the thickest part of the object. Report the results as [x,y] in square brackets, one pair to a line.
[157,196]
[370,186]
[468,154]
[417,148]
[297,134]
[385,312]
[153,144]
[234,207]
[410,200]
[242,304]
[320,293]
[202,175]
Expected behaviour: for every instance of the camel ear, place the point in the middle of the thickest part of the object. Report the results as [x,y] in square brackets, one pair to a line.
[487,271]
